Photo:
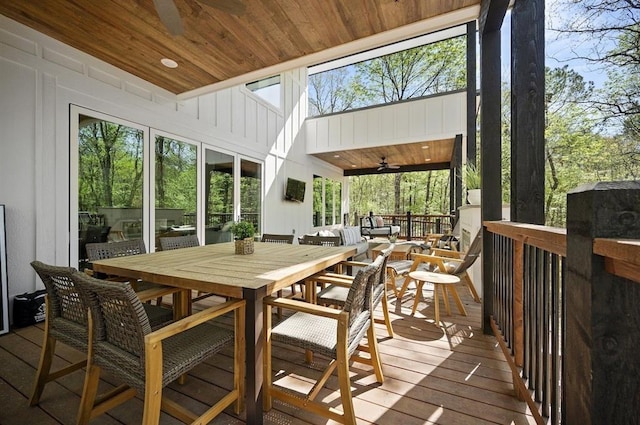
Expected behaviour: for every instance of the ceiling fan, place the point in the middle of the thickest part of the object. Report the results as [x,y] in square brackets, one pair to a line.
[384,165]
[170,16]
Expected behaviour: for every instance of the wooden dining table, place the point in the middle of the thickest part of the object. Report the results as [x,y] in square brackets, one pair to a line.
[217,269]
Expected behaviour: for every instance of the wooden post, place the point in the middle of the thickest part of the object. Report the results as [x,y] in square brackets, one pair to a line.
[527,112]
[408,225]
[491,17]
[602,311]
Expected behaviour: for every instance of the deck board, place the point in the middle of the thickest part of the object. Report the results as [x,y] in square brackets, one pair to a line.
[433,375]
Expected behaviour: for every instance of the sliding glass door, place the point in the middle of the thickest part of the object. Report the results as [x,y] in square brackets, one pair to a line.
[176,193]
[219,198]
[110,178]
[251,193]
[133,182]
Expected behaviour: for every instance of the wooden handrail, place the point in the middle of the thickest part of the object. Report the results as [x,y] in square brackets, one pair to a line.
[621,256]
[551,239]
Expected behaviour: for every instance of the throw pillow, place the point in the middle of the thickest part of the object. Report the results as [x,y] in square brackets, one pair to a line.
[379,221]
[351,235]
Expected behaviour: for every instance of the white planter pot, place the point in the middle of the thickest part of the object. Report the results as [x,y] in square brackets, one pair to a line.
[474,196]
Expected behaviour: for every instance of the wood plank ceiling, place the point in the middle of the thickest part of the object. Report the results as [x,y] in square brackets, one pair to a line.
[216,45]
[431,155]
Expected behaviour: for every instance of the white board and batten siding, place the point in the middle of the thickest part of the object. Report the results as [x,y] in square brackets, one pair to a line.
[431,118]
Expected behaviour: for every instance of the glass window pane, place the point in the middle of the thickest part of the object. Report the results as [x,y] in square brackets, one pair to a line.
[268,89]
[317,200]
[328,202]
[218,185]
[251,193]
[338,201]
[175,188]
[110,181]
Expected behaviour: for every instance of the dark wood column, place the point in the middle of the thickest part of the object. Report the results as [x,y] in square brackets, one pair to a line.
[471,92]
[491,18]
[527,112]
[602,318]
[455,176]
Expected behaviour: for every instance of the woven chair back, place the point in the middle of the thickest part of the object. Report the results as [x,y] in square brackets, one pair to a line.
[66,304]
[274,238]
[177,242]
[120,321]
[358,300]
[105,250]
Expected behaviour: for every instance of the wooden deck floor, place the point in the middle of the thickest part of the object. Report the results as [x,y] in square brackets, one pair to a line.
[433,375]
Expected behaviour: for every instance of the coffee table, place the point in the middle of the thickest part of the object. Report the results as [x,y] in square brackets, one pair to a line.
[443,281]
[400,251]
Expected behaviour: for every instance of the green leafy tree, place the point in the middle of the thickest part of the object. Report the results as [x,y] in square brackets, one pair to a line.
[416,72]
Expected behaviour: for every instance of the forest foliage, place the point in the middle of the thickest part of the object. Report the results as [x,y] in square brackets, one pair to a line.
[591,133]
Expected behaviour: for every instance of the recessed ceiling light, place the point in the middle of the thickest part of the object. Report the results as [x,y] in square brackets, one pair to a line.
[425,147]
[427,159]
[353,165]
[336,156]
[169,63]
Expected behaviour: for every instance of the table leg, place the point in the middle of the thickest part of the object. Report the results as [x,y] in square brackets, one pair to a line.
[254,337]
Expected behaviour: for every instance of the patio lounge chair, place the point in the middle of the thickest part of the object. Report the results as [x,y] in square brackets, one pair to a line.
[374,226]
[439,260]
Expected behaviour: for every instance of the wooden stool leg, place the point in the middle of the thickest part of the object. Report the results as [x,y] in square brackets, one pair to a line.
[418,296]
[436,303]
[456,298]
[445,296]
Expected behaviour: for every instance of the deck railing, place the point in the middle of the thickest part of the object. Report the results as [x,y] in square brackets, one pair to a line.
[529,277]
[417,226]
[530,292]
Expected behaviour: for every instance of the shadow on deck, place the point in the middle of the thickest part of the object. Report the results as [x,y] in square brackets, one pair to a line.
[451,374]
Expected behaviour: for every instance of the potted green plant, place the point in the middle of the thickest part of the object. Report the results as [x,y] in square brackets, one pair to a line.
[473,183]
[243,232]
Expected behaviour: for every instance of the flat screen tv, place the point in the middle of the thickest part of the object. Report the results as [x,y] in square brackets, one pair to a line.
[295,190]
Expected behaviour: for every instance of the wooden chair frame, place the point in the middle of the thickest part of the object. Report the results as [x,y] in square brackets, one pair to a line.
[93,405]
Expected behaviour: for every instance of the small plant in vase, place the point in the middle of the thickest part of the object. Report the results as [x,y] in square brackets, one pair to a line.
[473,183]
[243,232]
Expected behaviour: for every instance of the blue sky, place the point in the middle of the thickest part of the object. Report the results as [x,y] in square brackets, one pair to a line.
[559,50]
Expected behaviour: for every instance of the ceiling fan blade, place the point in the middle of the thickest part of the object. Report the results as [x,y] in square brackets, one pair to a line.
[232,7]
[170,16]
[395,167]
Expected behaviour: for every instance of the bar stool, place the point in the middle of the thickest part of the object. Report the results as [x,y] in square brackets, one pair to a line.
[446,283]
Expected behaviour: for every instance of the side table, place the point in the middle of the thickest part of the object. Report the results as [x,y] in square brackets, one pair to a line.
[446,283]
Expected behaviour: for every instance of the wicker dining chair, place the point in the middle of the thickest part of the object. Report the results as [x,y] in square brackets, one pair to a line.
[338,289]
[178,242]
[146,361]
[66,321]
[320,240]
[282,239]
[104,250]
[333,333]
[276,238]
